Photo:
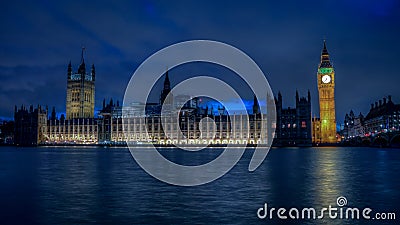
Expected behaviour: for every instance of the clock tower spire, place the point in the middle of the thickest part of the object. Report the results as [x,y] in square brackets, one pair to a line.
[326,92]
[325,61]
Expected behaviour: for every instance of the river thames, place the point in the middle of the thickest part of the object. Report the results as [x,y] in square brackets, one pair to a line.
[94,185]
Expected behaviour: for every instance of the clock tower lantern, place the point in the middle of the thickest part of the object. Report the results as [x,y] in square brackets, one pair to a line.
[326,91]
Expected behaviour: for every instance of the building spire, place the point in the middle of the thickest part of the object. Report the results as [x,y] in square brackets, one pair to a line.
[325,49]
[325,61]
[167,84]
[82,67]
[82,58]
[93,72]
[69,73]
[256,107]
[166,90]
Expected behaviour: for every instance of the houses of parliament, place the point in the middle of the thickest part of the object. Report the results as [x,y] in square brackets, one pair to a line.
[294,126]
[80,91]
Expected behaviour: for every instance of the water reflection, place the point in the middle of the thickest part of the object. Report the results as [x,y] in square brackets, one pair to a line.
[327,177]
[106,186]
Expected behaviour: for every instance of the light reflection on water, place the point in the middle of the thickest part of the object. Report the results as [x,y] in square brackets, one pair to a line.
[106,186]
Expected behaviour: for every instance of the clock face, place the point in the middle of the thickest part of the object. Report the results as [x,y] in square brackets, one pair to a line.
[326,79]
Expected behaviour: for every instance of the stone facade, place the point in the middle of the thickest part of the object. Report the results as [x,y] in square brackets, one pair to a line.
[80,92]
[293,124]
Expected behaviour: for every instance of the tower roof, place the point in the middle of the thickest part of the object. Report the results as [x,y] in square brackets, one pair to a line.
[82,58]
[325,61]
[166,76]
[166,81]
[325,50]
[82,67]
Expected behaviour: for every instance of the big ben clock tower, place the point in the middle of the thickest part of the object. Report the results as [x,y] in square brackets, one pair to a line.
[326,91]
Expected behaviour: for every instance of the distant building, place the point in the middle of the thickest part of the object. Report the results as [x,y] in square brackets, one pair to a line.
[6,132]
[197,125]
[383,116]
[293,127]
[117,124]
[186,102]
[30,125]
[72,131]
[197,128]
[33,127]
[80,125]
[353,125]
[316,130]
[80,91]
[110,122]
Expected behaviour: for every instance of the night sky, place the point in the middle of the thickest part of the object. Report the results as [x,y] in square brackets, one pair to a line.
[284,38]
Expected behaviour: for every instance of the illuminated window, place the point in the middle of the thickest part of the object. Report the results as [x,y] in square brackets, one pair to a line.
[303,124]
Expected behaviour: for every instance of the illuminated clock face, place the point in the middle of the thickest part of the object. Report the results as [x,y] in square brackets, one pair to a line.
[326,79]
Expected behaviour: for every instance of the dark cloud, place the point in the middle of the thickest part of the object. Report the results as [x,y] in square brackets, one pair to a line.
[285,38]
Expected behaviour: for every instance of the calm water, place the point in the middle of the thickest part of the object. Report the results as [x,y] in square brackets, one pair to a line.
[105,186]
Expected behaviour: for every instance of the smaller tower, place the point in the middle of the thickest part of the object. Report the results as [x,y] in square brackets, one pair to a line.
[166,90]
[279,103]
[167,83]
[256,107]
[80,91]
[53,114]
[93,73]
[69,70]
